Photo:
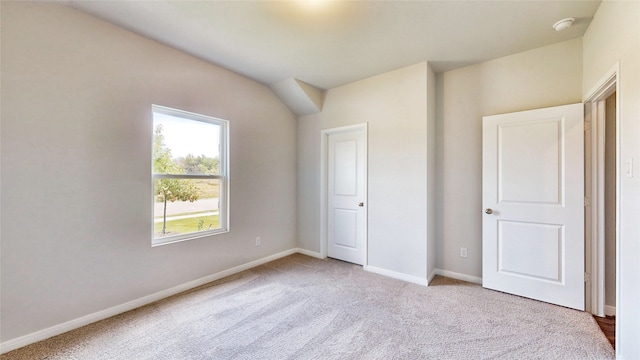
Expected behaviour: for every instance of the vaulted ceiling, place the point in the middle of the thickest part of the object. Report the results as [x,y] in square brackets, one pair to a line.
[328,43]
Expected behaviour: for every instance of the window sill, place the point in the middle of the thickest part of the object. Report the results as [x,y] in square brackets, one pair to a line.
[186,237]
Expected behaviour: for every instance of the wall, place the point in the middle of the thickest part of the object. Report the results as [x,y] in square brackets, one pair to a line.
[431,172]
[394,105]
[614,36]
[76,183]
[538,78]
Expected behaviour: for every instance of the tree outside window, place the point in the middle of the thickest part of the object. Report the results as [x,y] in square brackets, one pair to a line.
[189,175]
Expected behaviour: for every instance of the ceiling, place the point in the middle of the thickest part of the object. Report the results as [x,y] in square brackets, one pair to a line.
[328,43]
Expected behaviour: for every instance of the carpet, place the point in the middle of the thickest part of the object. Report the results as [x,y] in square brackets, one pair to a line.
[300,307]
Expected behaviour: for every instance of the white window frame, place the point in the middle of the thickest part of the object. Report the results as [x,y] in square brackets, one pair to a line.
[223,177]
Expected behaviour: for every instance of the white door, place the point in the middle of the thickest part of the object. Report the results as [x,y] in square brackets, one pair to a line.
[533,203]
[346,186]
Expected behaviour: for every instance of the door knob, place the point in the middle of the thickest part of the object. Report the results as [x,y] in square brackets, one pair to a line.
[361,204]
[488,211]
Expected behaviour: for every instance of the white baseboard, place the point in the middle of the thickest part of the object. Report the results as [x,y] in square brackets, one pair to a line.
[43,334]
[458,276]
[377,270]
[609,310]
[309,253]
[396,275]
[119,309]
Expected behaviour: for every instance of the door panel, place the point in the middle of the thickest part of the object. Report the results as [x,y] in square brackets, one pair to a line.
[344,229]
[346,172]
[345,167]
[533,184]
[529,167]
[530,250]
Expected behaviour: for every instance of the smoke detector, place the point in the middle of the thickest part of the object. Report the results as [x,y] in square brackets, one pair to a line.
[563,24]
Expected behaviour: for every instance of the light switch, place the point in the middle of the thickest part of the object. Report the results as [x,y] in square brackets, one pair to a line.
[628,169]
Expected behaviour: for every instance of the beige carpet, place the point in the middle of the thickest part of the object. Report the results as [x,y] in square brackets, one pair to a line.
[304,308]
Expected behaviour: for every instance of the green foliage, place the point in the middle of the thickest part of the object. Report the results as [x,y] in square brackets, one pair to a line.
[176,189]
[169,189]
[200,165]
[189,225]
[162,161]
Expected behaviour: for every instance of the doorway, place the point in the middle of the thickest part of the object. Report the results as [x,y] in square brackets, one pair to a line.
[602,167]
[606,218]
[610,185]
[344,194]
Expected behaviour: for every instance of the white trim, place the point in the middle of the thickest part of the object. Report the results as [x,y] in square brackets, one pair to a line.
[145,300]
[596,210]
[594,236]
[459,276]
[314,254]
[603,89]
[324,140]
[609,310]
[396,275]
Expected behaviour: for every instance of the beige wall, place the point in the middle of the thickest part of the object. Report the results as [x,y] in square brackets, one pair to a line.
[612,37]
[539,78]
[394,105]
[76,183]
[431,172]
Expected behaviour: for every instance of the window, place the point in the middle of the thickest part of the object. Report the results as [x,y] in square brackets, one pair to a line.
[190,175]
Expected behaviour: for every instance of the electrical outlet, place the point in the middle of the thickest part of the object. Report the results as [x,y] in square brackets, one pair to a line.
[463,252]
[258,241]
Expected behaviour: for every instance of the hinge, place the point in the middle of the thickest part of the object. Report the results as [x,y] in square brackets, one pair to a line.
[587,201]
[587,277]
[587,125]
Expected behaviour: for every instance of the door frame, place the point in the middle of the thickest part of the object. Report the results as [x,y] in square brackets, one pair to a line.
[594,177]
[324,181]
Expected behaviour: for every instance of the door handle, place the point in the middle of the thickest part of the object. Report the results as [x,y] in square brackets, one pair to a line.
[488,211]
[361,204]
